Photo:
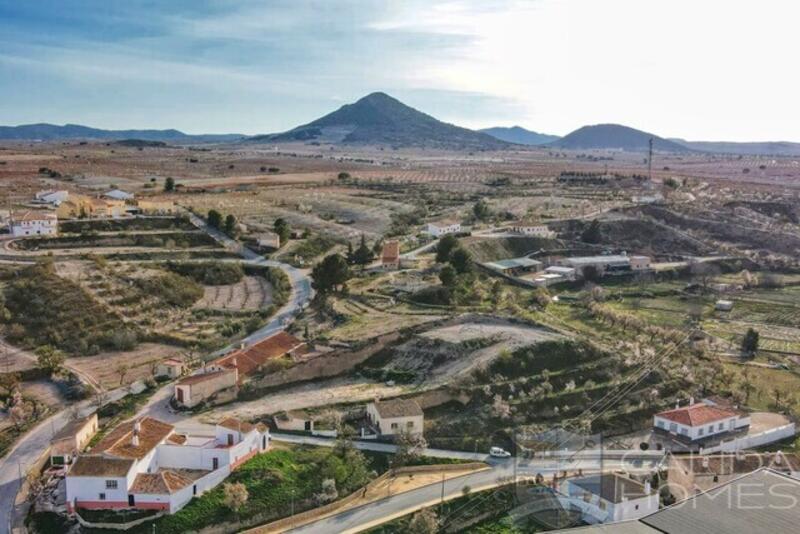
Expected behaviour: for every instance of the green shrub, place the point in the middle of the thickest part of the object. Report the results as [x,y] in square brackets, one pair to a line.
[212,273]
[172,289]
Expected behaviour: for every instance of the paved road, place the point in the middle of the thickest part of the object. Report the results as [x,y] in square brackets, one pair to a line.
[302,293]
[31,446]
[502,472]
[25,453]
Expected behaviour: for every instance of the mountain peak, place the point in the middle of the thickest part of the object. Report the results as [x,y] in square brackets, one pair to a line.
[615,137]
[379,119]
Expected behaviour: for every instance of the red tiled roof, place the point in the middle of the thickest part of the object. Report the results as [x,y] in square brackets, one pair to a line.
[164,481]
[250,359]
[196,379]
[33,215]
[90,465]
[391,251]
[696,414]
[119,441]
[232,423]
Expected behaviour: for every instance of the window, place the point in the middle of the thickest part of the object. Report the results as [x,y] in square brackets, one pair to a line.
[394,426]
[102,496]
[215,463]
[111,484]
[194,489]
[660,424]
[637,507]
[710,429]
[673,427]
[410,424]
[721,426]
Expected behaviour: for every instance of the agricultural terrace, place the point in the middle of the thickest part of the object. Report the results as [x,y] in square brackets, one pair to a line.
[334,212]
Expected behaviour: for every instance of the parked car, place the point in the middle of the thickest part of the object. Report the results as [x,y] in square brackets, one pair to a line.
[497,452]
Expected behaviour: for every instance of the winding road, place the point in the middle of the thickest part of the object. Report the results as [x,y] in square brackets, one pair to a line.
[31,446]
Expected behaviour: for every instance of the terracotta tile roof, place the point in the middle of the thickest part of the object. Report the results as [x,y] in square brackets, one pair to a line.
[119,441]
[177,439]
[391,251]
[696,414]
[33,215]
[196,379]
[172,361]
[164,481]
[398,408]
[91,465]
[232,423]
[250,359]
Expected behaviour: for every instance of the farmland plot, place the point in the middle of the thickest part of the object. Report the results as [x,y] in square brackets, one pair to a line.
[251,293]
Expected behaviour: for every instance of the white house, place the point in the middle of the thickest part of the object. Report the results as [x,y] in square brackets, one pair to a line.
[146,465]
[118,194]
[610,497]
[699,421]
[395,416]
[607,263]
[51,197]
[440,228]
[534,230]
[171,368]
[33,222]
[268,240]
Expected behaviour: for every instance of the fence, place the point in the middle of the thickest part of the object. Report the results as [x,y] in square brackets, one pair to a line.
[756,440]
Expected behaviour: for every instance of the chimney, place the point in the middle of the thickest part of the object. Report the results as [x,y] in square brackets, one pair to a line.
[677,404]
[778,459]
[691,401]
[137,427]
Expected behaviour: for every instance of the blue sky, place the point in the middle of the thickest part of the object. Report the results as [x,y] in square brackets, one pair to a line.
[711,69]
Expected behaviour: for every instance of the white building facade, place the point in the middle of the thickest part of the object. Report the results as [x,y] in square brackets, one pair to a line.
[438,229]
[699,421]
[147,465]
[33,223]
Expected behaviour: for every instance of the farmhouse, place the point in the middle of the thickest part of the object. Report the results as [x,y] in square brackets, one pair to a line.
[390,255]
[72,439]
[395,416]
[268,240]
[249,361]
[701,420]
[701,473]
[533,230]
[610,497]
[515,266]
[170,368]
[192,390]
[74,207]
[51,197]
[146,465]
[606,263]
[33,222]
[440,228]
[118,194]
[753,502]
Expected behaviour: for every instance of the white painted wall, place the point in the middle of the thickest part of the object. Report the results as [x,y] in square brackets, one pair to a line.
[699,432]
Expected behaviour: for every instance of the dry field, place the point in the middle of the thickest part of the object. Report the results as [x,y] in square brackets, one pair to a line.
[252,293]
[105,367]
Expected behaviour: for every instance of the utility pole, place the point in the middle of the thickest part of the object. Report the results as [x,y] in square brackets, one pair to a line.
[650,162]
[442,487]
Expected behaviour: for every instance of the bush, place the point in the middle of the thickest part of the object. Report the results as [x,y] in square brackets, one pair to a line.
[46,309]
[172,289]
[212,273]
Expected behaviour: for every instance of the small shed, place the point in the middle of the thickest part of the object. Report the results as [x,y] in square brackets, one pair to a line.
[723,305]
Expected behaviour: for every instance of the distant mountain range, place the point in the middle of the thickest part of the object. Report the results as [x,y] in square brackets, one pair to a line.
[615,136]
[519,135]
[379,119]
[784,148]
[52,132]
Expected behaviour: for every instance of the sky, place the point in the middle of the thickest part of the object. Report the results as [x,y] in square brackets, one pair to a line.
[696,69]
